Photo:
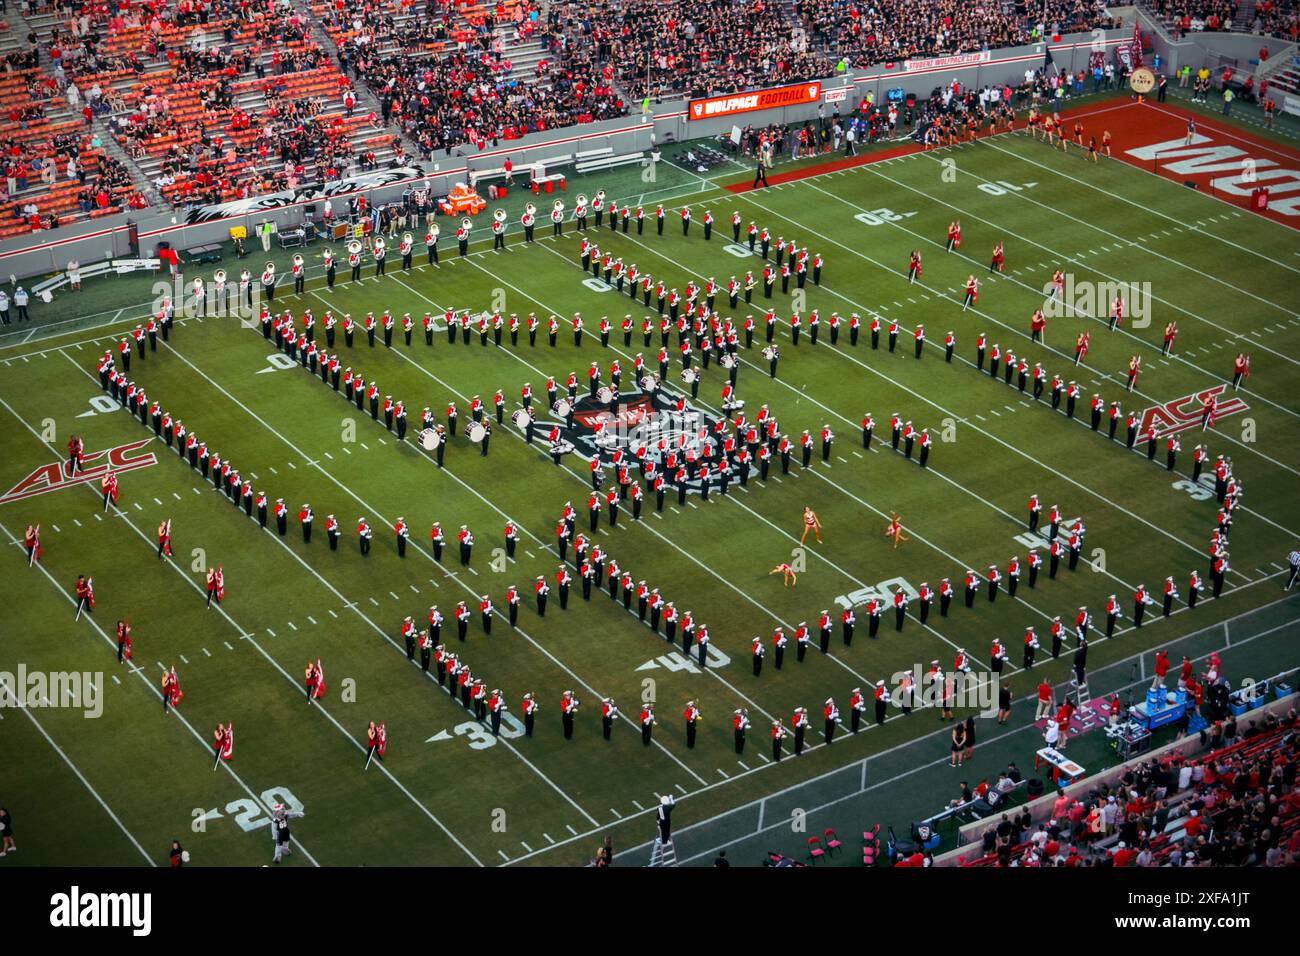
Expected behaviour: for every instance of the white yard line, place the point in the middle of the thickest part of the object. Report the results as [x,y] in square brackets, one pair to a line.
[203,743]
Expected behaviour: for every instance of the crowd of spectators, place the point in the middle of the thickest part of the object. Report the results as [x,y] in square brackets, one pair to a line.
[447,83]
[1195,16]
[880,31]
[1280,18]
[442,70]
[660,49]
[1238,805]
[33,166]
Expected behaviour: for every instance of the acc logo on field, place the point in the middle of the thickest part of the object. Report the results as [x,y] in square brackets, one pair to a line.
[54,476]
[1142,80]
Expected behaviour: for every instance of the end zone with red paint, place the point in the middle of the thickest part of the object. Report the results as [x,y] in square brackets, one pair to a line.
[1221,159]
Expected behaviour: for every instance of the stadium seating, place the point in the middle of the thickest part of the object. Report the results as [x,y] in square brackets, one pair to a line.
[902,29]
[41,136]
[470,75]
[217,105]
[1232,790]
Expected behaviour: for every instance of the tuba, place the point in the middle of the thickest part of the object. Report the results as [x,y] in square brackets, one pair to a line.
[268,276]
[380,245]
[558,205]
[407,240]
[219,277]
[531,210]
[435,230]
[499,215]
[600,195]
[466,224]
[298,261]
[354,247]
[581,201]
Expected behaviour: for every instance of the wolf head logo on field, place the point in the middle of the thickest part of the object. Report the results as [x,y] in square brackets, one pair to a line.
[629,420]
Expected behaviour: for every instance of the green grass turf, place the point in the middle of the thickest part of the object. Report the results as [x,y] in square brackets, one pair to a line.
[545,800]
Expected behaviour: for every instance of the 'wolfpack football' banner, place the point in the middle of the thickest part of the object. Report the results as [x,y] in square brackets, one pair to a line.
[947,62]
[54,476]
[1186,412]
[779,96]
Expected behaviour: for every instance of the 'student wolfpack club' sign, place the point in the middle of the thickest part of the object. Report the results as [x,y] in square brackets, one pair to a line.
[1184,413]
[54,476]
[795,95]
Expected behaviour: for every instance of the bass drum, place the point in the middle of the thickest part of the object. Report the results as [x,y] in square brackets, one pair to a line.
[475,431]
[430,439]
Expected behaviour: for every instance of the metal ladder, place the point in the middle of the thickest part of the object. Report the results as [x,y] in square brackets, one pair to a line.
[1082,696]
[662,855]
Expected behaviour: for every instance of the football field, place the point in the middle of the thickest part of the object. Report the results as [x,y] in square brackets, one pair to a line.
[111,779]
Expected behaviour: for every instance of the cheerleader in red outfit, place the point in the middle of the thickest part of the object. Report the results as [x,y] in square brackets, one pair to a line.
[954,236]
[85,591]
[108,484]
[1240,369]
[32,542]
[1116,313]
[787,573]
[223,743]
[314,681]
[123,642]
[999,259]
[972,292]
[1058,284]
[914,267]
[165,538]
[171,690]
[216,585]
